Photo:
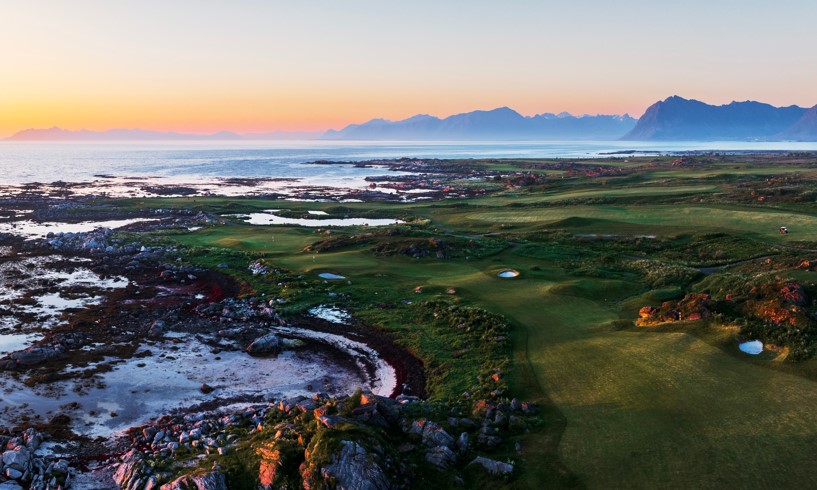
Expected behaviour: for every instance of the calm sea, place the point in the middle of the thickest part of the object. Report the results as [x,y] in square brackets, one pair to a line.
[23,162]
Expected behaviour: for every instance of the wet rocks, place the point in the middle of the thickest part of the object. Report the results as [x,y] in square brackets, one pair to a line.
[156,329]
[21,467]
[269,343]
[36,354]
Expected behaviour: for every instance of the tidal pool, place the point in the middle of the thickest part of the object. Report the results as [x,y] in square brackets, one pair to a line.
[13,342]
[31,229]
[331,314]
[168,376]
[269,218]
[33,284]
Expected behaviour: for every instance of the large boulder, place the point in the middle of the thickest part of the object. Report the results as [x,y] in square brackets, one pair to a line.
[351,468]
[37,354]
[207,481]
[431,433]
[441,457]
[492,466]
[17,459]
[266,344]
[132,471]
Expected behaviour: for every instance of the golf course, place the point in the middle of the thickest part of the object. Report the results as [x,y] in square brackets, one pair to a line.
[672,403]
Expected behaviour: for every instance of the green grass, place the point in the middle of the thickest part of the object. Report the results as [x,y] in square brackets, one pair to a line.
[621,407]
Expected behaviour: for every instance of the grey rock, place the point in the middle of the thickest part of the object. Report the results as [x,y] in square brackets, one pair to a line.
[17,459]
[492,466]
[131,470]
[157,328]
[37,354]
[264,345]
[356,469]
[33,439]
[434,435]
[462,442]
[59,468]
[328,420]
[208,481]
[441,457]
[306,405]
[515,405]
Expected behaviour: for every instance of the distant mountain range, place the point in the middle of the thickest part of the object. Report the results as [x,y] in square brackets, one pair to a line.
[672,119]
[677,119]
[497,124]
[805,129]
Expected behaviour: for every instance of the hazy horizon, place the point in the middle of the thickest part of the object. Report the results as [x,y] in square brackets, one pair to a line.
[255,67]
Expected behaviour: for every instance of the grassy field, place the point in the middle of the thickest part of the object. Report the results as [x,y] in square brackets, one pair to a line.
[622,407]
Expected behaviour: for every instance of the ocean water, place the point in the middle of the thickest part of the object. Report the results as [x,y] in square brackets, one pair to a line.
[25,162]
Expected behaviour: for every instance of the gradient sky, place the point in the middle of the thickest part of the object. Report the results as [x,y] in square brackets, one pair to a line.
[262,65]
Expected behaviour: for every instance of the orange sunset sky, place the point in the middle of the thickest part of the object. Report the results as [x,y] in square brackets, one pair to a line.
[256,66]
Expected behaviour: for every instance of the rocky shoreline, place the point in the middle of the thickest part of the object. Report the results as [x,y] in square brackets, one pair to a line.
[98,302]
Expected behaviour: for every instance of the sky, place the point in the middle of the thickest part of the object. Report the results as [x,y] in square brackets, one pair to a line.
[266,65]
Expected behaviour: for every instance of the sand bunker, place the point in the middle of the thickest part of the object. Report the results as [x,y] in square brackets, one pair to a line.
[329,275]
[508,274]
[752,347]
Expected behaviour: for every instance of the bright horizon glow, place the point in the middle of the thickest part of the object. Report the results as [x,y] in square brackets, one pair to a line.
[259,65]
